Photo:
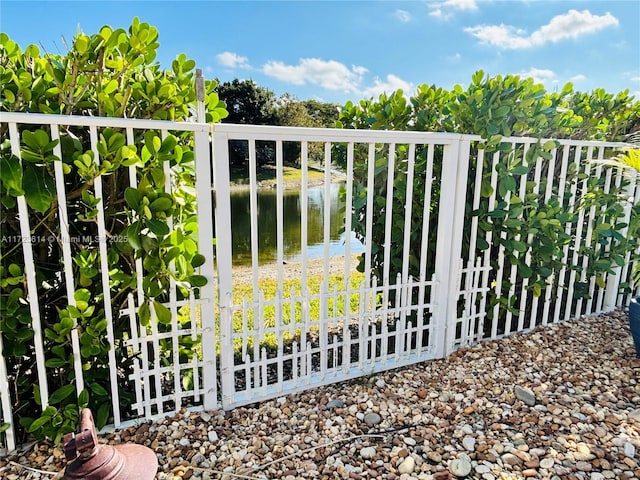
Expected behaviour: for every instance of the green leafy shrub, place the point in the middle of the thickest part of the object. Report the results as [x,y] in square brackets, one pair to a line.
[110,73]
[531,232]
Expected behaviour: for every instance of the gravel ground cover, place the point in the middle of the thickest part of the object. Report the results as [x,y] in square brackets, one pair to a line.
[562,402]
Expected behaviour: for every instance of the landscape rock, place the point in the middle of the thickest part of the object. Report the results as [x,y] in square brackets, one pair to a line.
[436,415]
[368,452]
[460,467]
[408,465]
[336,403]
[526,395]
[372,419]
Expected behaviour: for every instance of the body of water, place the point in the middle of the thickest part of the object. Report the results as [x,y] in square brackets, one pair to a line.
[292,225]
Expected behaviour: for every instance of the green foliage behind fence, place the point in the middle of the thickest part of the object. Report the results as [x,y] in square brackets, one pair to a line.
[111,73]
[531,232]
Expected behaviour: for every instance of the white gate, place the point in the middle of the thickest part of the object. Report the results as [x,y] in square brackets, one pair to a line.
[306,334]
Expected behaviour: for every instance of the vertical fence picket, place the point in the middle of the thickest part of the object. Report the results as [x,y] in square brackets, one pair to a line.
[470,301]
[388,221]
[195,365]
[173,302]
[137,356]
[326,222]
[527,258]
[424,247]
[405,298]
[489,235]
[279,215]
[589,227]
[346,339]
[67,258]
[608,185]
[30,273]
[304,212]
[550,179]
[575,230]
[104,268]
[562,185]
[371,164]
[6,412]
[253,208]
[594,215]
[513,270]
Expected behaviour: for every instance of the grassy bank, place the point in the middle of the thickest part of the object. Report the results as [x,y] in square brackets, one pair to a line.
[266,177]
[285,322]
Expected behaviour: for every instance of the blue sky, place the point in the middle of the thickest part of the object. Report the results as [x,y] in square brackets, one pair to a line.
[336,51]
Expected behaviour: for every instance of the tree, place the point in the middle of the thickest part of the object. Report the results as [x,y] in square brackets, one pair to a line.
[249,104]
[293,113]
[323,114]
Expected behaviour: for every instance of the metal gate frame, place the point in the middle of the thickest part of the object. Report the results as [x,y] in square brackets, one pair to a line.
[455,160]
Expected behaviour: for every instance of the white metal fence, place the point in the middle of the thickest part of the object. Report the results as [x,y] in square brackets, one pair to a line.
[158,387]
[309,332]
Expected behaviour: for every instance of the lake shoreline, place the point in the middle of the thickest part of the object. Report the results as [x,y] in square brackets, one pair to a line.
[290,182]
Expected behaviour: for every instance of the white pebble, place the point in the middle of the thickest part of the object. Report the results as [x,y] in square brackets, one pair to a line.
[368,452]
[629,450]
[469,443]
[407,465]
[460,467]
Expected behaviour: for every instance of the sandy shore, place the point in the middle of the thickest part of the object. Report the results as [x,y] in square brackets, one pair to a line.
[292,270]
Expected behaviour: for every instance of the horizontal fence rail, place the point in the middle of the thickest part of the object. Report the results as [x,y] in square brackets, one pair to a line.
[393,248]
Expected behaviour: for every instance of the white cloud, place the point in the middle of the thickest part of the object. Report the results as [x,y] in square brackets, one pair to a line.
[572,24]
[635,79]
[539,75]
[446,8]
[390,85]
[578,78]
[461,4]
[330,74]
[335,76]
[232,60]
[402,15]
[503,36]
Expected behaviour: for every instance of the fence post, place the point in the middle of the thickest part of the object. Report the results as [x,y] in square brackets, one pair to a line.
[205,247]
[200,97]
[449,241]
[223,260]
[205,241]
